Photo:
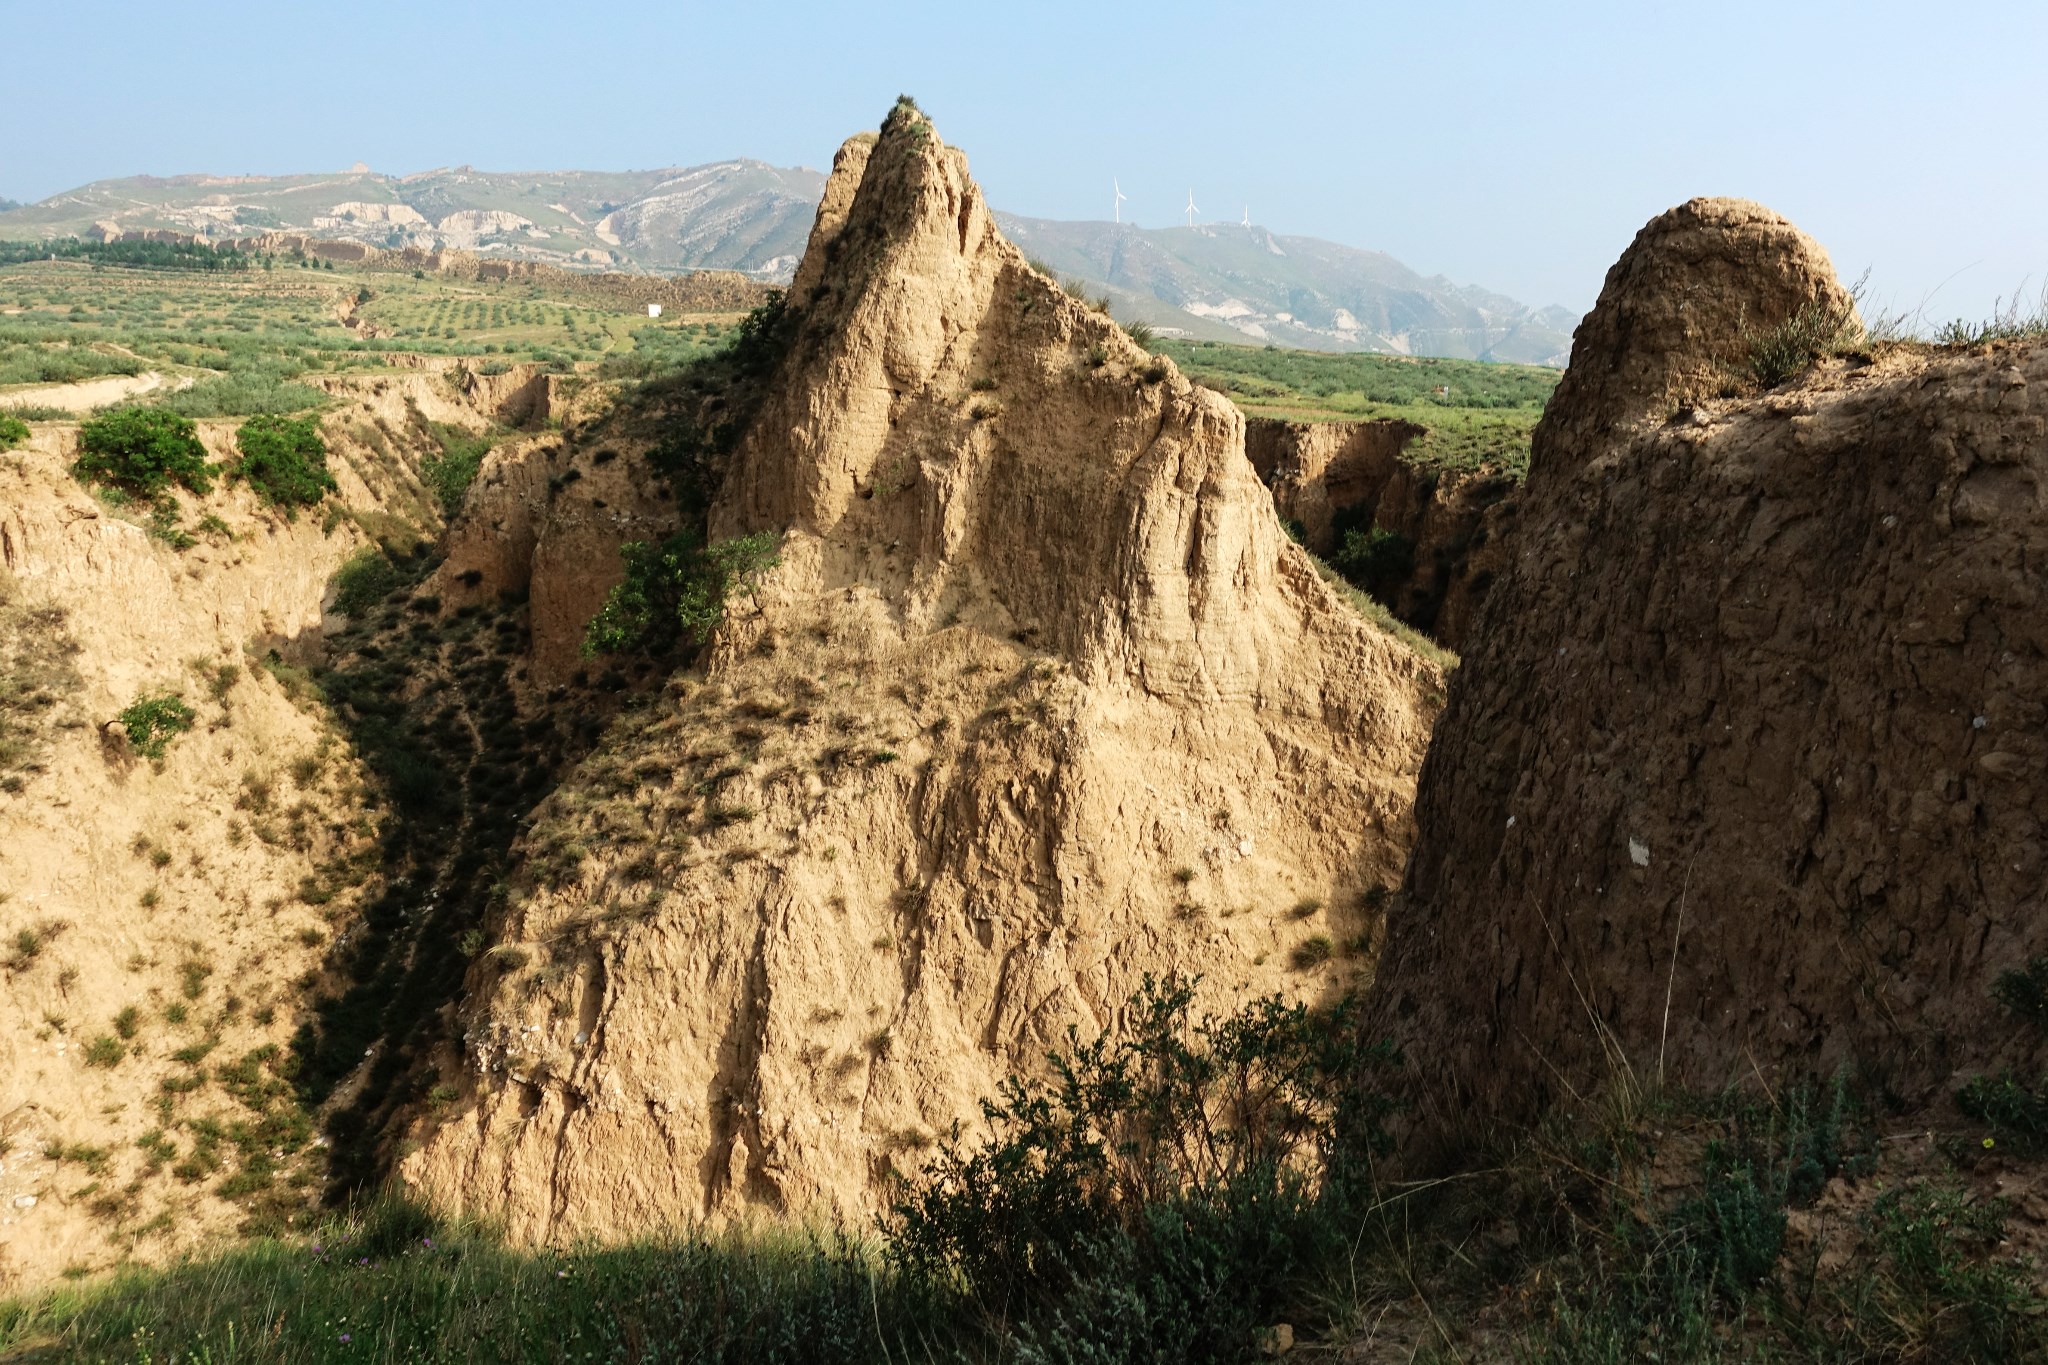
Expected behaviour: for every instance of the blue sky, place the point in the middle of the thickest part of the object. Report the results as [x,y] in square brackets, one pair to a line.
[1517,146]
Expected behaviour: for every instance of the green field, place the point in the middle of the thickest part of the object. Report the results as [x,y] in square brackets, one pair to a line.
[243,336]
[1477,413]
[232,341]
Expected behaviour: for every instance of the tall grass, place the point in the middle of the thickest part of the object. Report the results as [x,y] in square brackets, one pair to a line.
[2009,321]
[396,1285]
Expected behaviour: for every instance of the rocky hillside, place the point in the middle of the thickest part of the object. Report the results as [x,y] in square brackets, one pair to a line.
[731,215]
[1227,282]
[1740,778]
[1040,700]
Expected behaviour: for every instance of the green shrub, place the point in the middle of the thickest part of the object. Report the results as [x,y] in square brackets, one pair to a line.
[364,580]
[454,469]
[13,431]
[1160,1191]
[142,452]
[2015,1110]
[104,1051]
[166,523]
[1375,559]
[2025,993]
[1312,952]
[285,460]
[675,592]
[153,722]
[763,337]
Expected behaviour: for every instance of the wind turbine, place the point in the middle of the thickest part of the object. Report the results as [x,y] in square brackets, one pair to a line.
[1191,208]
[1120,196]
[1247,215]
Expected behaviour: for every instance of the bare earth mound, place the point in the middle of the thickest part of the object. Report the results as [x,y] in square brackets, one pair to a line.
[1741,778]
[1041,700]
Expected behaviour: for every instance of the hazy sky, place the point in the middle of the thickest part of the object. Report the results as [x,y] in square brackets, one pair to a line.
[1515,145]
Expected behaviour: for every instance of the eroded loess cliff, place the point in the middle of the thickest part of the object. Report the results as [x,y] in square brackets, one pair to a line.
[1741,777]
[164,921]
[166,925]
[1041,699]
[1330,478]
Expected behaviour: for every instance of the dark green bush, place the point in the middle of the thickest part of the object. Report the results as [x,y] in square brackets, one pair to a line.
[13,431]
[2025,993]
[454,469]
[285,460]
[763,337]
[153,722]
[1375,559]
[1163,1190]
[364,580]
[675,593]
[142,452]
[2016,1110]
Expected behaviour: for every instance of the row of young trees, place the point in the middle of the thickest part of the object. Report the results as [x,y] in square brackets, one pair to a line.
[133,255]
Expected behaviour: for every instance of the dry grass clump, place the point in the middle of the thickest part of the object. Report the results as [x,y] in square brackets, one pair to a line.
[36,675]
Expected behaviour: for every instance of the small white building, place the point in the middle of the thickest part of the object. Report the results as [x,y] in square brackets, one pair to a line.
[654,310]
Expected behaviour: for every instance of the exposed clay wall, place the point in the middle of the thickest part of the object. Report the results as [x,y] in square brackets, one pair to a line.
[1040,700]
[1741,777]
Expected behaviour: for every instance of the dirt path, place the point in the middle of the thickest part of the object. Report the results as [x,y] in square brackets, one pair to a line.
[90,394]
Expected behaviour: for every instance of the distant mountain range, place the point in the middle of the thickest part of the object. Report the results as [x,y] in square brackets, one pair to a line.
[1222,282]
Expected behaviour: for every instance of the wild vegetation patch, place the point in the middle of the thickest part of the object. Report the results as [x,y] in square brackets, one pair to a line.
[675,593]
[426,700]
[285,461]
[142,452]
[1475,413]
[451,471]
[152,722]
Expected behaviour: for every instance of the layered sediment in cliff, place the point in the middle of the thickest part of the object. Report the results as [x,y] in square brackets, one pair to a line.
[1741,777]
[1040,700]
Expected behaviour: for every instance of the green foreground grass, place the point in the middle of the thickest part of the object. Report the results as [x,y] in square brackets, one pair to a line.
[1693,1228]
[1187,1192]
[396,1286]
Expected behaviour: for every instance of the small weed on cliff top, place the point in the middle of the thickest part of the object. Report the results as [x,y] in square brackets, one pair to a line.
[1774,354]
[2006,323]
